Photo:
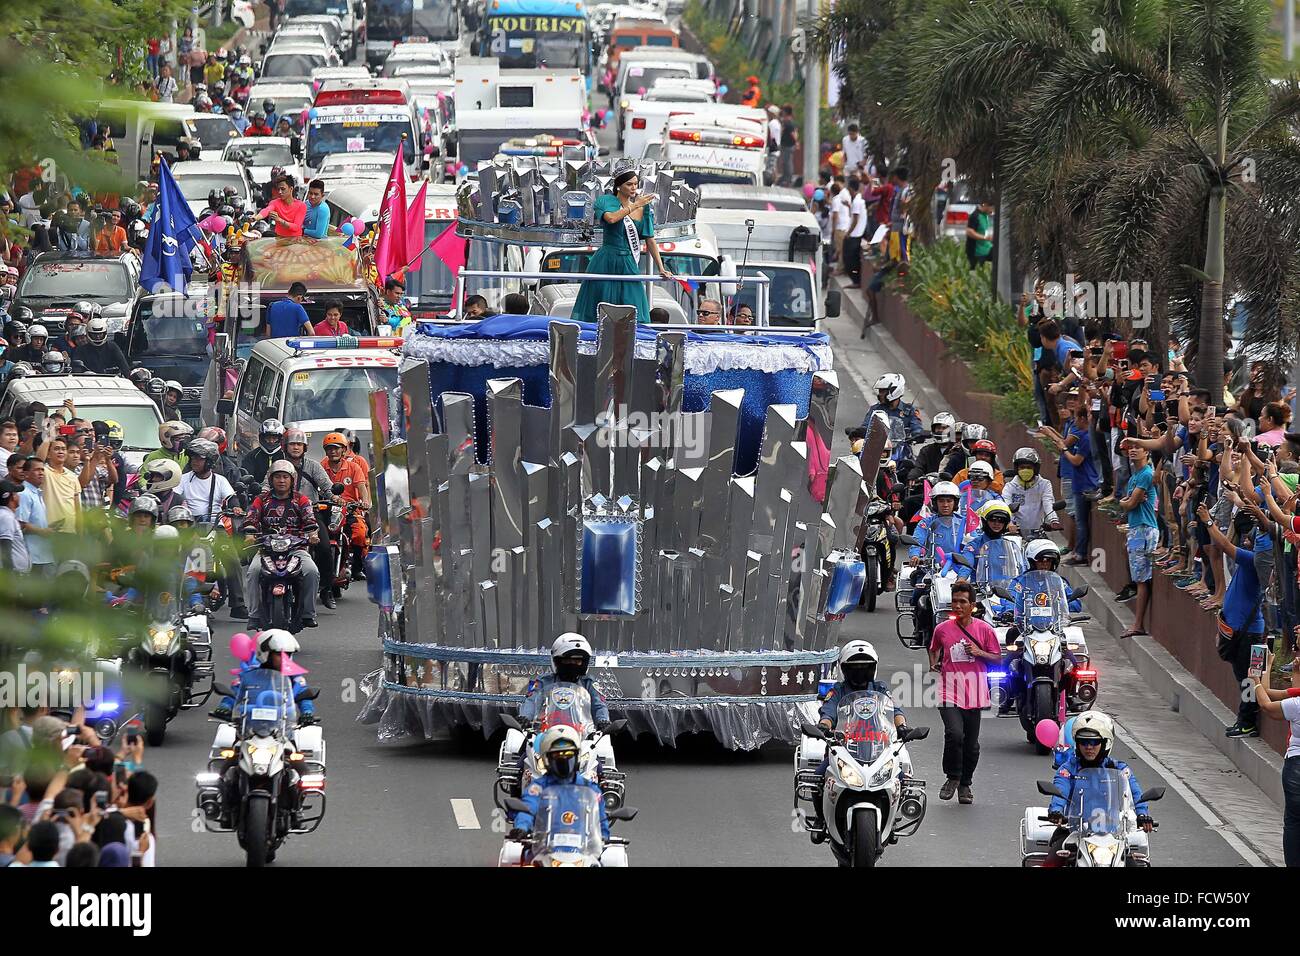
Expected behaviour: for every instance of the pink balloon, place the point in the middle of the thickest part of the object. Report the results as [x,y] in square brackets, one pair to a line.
[214,223]
[808,189]
[358,225]
[1046,732]
[242,646]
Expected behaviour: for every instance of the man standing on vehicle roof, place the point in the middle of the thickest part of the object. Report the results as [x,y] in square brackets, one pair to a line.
[316,223]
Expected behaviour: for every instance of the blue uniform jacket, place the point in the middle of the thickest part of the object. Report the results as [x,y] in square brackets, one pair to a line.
[1017,588]
[974,541]
[1065,783]
[947,534]
[904,423]
[533,797]
[832,699]
[537,693]
[249,683]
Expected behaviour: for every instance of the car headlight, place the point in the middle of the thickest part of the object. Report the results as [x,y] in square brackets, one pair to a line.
[160,638]
[882,775]
[1101,853]
[849,774]
[623,104]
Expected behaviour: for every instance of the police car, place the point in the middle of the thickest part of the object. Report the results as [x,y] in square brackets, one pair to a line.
[319,384]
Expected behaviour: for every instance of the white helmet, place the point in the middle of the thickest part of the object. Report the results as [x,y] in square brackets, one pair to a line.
[980,468]
[37,331]
[175,386]
[1093,723]
[169,431]
[275,639]
[855,651]
[945,489]
[97,330]
[974,432]
[942,423]
[281,467]
[892,384]
[166,532]
[569,642]
[54,362]
[161,474]
[1041,548]
[858,662]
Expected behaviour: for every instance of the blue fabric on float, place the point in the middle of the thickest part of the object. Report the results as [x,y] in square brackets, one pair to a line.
[762,388]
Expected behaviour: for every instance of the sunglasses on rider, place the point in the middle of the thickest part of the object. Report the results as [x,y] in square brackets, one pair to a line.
[997,519]
[1087,743]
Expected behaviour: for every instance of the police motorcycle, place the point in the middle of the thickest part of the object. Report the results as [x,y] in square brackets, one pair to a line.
[1101,821]
[1046,674]
[566,815]
[174,659]
[281,580]
[868,797]
[266,775]
[997,561]
[520,761]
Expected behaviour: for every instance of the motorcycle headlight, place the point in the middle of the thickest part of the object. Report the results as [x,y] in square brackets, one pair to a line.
[160,638]
[881,776]
[849,774]
[1102,853]
[259,755]
[1041,648]
[294,564]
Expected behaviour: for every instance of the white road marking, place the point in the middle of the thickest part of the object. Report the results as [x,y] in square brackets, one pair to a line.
[1196,803]
[466,818]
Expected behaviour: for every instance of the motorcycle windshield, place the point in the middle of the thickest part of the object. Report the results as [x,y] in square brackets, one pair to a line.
[568,705]
[1097,801]
[998,561]
[567,822]
[1042,600]
[266,707]
[866,718]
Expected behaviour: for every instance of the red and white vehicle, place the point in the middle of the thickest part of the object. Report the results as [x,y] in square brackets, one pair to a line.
[717,145]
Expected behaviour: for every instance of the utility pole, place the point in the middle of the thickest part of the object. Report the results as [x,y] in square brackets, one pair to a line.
[812,99]
[1288,30]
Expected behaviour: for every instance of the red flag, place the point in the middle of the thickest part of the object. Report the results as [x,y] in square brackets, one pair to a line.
[415,228]
[450,248]
[391,249]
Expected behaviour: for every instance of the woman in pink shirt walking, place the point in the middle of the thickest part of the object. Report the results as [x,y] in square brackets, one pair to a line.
[960,651]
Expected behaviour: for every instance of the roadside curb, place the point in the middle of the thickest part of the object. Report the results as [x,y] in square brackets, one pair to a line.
[1160,669]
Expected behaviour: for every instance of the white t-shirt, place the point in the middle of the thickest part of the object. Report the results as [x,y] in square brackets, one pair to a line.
[855,152]
[198,491]
[774,132]
[1291,711]
[859,211]
[840,211]
[12,532]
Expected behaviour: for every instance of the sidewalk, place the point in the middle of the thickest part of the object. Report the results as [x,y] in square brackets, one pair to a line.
[1165,715]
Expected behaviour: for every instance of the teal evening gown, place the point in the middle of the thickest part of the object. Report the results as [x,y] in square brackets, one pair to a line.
[615,257]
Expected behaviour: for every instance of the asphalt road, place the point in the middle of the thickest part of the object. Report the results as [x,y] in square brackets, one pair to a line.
[429,803]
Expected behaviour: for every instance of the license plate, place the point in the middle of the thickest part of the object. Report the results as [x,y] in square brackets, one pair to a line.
[569,840]
[265,713]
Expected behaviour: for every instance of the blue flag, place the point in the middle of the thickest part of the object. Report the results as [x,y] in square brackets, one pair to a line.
[172,236]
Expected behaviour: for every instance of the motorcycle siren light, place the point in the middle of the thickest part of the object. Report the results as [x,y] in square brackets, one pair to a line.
[316,343]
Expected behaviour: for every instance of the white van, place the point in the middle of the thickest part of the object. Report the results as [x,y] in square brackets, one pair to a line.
[638,79]
[705,147]
[644,121]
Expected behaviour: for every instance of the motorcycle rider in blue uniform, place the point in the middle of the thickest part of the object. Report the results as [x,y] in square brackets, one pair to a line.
[273,650]
[559,748]
[995,519]
[571,656]
[1041,555]
[904,420]
[946,528]
[858,663]
[1094,736]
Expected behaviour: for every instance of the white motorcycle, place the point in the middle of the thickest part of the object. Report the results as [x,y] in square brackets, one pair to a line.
[867,798]
[266,775]
[566,831]
[570,704]
[1101,824]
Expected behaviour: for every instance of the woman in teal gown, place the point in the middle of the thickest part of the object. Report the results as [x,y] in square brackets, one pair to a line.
[626,219]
